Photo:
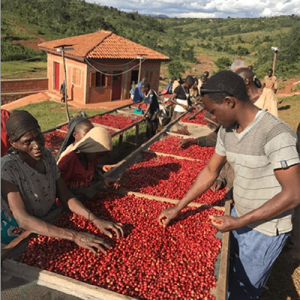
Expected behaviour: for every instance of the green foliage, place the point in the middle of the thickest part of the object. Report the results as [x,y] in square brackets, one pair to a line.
[33,69]
[10,52]
[49,114]
[295,88]
[223,63]
[180,39]
[175,68]
[288,58]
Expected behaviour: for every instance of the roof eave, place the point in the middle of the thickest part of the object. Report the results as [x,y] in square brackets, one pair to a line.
[67,55]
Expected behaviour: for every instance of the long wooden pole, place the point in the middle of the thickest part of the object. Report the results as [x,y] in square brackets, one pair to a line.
[274,61]
[65,71]
[140,69]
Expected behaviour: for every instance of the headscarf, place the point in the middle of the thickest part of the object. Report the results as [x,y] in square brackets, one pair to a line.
[96,140]
[69,139]
[20,122]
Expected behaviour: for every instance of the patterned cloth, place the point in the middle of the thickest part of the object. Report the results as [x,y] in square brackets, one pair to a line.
[38,191]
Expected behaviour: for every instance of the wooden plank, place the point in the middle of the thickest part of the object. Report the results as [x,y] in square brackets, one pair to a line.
[163,199]
[136,155]
[60,283]
[172,155]
[196,113]
[180,135]
[128,127]
[104,126]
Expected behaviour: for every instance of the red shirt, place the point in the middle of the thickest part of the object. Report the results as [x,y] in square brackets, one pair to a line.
[74,173]
[5,144]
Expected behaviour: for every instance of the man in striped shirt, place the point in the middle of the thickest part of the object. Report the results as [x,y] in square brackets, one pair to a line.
[262,151]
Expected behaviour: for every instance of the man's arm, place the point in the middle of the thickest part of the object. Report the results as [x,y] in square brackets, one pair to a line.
[203,182]
[288,198]
[147,110]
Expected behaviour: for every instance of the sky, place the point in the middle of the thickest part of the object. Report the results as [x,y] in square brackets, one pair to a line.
[207,8]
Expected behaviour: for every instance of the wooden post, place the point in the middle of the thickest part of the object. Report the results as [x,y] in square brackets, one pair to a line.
[66,82]
[140,69]
[274,61]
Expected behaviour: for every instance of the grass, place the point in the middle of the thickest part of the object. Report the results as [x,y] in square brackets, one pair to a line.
[50,114]
[23,69]
[295,88]
[288,110]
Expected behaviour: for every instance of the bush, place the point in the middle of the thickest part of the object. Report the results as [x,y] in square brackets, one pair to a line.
[295,88]
[175,68]
[10,52]
[223,63]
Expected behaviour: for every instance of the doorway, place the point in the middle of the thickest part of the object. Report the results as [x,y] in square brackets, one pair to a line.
[134,77]
[56,76]
[116,86]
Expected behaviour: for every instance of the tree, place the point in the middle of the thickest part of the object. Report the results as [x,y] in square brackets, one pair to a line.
[223,63]
[175,68]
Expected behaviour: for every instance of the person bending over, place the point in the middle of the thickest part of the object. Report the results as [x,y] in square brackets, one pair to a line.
[78,128]
[30,182]
[78,167]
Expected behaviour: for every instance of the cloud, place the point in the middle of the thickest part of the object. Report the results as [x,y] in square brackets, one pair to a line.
[207,8]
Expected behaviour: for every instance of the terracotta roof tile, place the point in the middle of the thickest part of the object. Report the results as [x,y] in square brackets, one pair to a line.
[104,45]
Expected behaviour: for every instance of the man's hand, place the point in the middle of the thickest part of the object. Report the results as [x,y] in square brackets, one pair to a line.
[185,143]
[224,223]
[90,242]
[217,185]
[107,168]
[184,106]
[105,226]
[167,215]
[111,183]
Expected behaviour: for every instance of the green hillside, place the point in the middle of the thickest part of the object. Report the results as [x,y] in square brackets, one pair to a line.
[24,24]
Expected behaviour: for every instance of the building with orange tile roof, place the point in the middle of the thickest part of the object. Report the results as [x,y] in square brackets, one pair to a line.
[101,67]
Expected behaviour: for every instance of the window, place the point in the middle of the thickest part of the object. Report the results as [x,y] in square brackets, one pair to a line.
[100,79]
[76,79]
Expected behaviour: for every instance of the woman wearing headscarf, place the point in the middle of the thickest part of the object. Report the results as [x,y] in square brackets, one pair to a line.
[77,129]
[30,182]
[79,166]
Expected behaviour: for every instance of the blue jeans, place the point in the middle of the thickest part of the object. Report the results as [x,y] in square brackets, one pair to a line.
[253,255]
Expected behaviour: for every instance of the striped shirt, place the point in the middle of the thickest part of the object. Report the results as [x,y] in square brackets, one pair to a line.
[263,146]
